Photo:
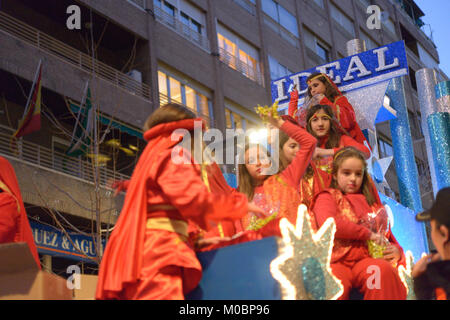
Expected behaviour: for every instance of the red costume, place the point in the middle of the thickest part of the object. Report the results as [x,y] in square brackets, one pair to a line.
[342,109]
[350,259]
[321,169]
[282,187]
[14,224]
[148,255]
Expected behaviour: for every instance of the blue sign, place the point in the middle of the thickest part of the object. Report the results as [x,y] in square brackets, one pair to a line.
[53,242]
[350,73]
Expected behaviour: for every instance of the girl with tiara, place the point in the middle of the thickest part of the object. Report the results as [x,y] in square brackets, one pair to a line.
[353,202]
[322,90]
[322,124]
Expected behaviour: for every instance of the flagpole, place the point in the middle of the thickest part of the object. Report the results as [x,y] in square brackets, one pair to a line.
[27,106]
[83,101]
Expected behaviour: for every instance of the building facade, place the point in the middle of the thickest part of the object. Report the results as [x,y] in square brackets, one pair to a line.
[217,57]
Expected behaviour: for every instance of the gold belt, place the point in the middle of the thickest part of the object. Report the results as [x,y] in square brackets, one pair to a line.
[172,225]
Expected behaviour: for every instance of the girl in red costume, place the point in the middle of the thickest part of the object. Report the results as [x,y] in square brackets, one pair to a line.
[322,90]
[323,126]
[296,147]
[148,255]
[350,199]
[14,224]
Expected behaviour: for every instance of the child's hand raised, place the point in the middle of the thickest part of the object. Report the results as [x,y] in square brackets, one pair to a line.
[274,121]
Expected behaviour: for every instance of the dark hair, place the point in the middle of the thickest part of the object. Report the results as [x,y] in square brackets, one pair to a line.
[334,135]
[330,92]
[168,113]
[366,185]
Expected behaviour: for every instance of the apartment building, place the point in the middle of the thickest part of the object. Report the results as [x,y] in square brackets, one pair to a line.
[217,57]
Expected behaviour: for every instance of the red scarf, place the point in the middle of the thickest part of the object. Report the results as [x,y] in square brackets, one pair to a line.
[124,250]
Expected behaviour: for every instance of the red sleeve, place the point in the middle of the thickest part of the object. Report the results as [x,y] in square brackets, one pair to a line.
[183,186]
[325,207]
[295,170]
[347,141]
[293,103]
[9,218]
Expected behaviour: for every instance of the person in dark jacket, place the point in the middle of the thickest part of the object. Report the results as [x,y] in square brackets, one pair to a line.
[432,273]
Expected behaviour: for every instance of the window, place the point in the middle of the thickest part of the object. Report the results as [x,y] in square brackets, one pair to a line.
[239,54]
[370,44]
[237,120]
[342,19]
[247,5]
[412,77]
[389,24]
[319,3]
[427,58]
[184,18]
[277,70]
[320,49]
[282,18]
[419,120]
[322,52]
[385,148]
[174,90]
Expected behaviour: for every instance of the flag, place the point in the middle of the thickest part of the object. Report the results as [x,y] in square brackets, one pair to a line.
[31,121]
[82,133]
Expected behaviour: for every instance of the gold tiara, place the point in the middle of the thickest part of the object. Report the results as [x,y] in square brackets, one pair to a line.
[314,115]
[318,76]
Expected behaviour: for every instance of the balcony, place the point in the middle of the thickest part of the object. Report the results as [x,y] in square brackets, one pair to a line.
[180,28]
[250,71]
[44,42]
[43,157]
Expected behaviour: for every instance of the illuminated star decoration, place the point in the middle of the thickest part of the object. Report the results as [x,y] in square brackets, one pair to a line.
[303,266]
[406,277]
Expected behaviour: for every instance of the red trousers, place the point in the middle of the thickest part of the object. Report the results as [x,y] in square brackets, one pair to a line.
[170,269]
[377,279]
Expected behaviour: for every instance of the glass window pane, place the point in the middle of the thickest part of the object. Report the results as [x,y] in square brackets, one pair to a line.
[270,8]
[197,27]
[162,83]
[184,18]
[237,121]
[288,21]
[191,100]
[322,52]
[203,105]
[228,118]
[169,9]
[175,90]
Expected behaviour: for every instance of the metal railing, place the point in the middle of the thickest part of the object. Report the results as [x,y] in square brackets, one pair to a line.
[182,29]
[46,158]
[252,72]
[22,31]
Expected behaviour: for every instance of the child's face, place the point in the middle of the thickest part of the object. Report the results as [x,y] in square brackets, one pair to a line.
[256,161]
[316,87]
[350,175]
[290,149]
[320,123]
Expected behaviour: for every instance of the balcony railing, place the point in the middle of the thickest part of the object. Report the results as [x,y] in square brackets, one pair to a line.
[163,99]
[22,31]
[181,28]
[46,158]
[252,72]
[139,3]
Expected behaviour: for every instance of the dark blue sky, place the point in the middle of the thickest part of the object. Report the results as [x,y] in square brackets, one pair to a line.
[437,15]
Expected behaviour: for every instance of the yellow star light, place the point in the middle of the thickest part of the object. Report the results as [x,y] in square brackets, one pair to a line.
[303,266]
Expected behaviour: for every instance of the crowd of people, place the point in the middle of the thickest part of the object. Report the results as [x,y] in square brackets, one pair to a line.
[173,210]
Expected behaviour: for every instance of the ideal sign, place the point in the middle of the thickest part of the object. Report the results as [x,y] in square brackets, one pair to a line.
[54,242]
[350,73]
